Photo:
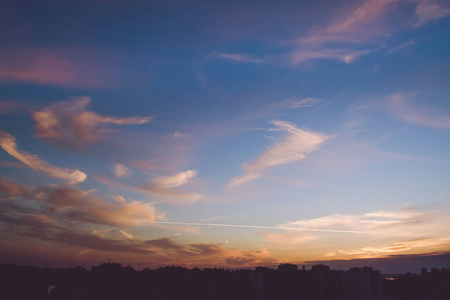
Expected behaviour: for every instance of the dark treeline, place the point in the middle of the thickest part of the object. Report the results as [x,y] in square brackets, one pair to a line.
[111,281]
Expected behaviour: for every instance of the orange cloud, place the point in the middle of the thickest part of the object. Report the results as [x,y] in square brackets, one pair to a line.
[8,143]
[165,194]
[163,182]
[69,123]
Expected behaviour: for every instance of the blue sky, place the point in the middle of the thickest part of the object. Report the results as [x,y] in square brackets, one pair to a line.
[233,134]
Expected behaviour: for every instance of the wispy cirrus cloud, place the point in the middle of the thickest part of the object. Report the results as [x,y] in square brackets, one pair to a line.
[399,247]
[406,221]
[409,229]
[70,123]
[121,171]
[402,46]
[429,10]
[293,103]
[352,31]
[51,67]
[72,176]
[162,187]
[343,55]
[294,147]
[402,107]
[287,238]
[240,57]
[164,182]
[359,25]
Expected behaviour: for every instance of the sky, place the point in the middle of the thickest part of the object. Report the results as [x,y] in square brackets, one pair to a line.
[225,134]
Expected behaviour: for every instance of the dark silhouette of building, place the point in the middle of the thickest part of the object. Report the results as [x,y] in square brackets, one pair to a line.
[112,281]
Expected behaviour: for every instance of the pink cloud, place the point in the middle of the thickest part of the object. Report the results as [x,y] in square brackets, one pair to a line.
[429,10]
[360,24]
[121,171]
[72,176]
[50,67]
[400,106]
[70,123]
[163,192]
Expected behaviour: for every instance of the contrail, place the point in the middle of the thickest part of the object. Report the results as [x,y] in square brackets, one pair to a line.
[259,227]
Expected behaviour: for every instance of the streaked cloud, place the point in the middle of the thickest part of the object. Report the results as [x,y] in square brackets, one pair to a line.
[399,247]
[406,221]
[178,135]
[289,238]
[72,176]
[240,57]
[163,187]
[346,38]
[429,10]
[401,106]
[164,182]
[81,206]
[293,103]
[70,123]
[402,46]
[294,147]
[342,55]
[52,67]
[121,171]
[10,190]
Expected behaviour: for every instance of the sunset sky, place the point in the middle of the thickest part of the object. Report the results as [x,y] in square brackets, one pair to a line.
[224,133]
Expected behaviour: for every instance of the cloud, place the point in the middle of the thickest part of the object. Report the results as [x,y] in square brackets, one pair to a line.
[402,108]
[74,205]
[429,10]
[289,238]
[353,30]
[69,123]
[240,57]
[343,55]
[78,205]
[10,190]
[402,46]
[406,221]
[178,135]
[50,67]
[293,103]
[366,252]
[121,171]
[163,191]
[217,255]
[164,243]
[164,182]
[294,147]
[91,241]
[359,25]
[8,143]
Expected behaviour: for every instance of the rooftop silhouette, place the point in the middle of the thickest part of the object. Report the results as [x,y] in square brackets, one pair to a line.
[113,281]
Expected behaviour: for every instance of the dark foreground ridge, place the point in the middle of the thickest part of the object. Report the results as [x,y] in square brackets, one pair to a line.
[111,281]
